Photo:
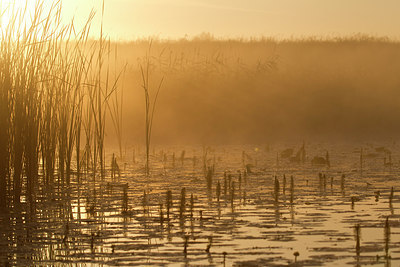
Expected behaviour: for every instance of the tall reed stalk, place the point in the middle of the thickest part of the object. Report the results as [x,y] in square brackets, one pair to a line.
[150,104]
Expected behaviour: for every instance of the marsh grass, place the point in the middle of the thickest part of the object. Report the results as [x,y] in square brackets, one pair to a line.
[51,82]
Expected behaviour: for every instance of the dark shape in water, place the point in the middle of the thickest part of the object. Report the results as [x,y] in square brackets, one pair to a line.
[210,239]
[276,189]
[357,234]
[387,237]
[391,195]
[321,160]
[377,195]
[169,203]
[186,244]
[284,184]
[183,203]
[296,254]
[291,189]
[342,184]
[224,253]
[218,191]
[191,205]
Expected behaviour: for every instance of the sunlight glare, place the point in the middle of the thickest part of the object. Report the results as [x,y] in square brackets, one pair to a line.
[21,12]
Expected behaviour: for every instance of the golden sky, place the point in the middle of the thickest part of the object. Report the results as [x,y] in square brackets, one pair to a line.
[130,19]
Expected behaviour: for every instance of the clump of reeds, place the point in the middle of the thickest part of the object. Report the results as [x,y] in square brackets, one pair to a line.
[51,84]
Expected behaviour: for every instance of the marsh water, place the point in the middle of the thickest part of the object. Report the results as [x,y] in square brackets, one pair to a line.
[347,215]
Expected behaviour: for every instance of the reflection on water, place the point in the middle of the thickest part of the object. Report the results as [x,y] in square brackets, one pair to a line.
[224,214]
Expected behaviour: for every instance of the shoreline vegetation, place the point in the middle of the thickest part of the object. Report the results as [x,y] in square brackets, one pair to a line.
[53,102]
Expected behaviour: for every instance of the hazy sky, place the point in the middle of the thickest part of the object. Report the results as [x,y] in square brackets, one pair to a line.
[128,19]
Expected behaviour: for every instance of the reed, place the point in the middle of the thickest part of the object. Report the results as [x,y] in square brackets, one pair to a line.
[391,195]
[387,237]
[169,203]
[342,184]
[225,184]
[291,189]
[150,104]
[232,195]
[209,178]
[240,180]
[284,184]
[357,235]
[182,207]
[183,157]
[161,215]
[218,191]
[191,205]
[51,84]
[125,205]
[276,190]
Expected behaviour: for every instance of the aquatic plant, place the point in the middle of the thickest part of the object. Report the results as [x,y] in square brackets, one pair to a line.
[210,239]
[357,235]
[284,185]
[182,206]
[209,178]
[51,81]
[191,205]
[291,189]
[150,104]
[276,189]
[391,195]
[218,191]
[296,254]
[169,203]
[387,237]
[342,184]
[125,206]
